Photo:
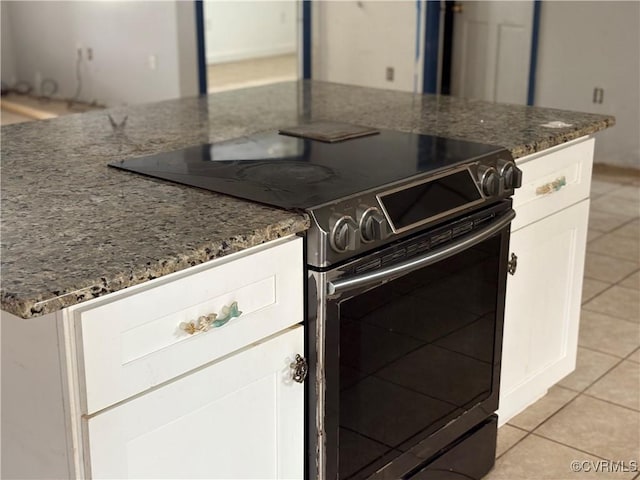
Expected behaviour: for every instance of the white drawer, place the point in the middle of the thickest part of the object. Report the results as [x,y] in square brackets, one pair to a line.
[129,343]
[552,180]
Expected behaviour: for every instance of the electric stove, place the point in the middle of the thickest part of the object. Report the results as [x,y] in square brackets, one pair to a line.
[362,187]
[407,263]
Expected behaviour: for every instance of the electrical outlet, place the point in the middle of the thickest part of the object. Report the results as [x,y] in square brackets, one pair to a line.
[598,95]
[153,62]
[390,73]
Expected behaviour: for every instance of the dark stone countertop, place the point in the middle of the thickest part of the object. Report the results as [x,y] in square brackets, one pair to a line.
[73,229]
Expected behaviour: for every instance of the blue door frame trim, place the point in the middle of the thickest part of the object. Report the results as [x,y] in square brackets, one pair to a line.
[431,40]
[534,52]
[306,39]
[202,62]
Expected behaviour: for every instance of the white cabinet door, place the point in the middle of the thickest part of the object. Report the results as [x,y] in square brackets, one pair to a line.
[542,309]
[239,418]
[491,51]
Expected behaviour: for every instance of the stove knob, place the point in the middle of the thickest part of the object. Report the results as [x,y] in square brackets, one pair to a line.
[344,233]
[511,174]
[489,180]
[373,224]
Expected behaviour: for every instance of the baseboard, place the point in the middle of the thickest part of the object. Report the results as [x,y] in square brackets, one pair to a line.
[239,55]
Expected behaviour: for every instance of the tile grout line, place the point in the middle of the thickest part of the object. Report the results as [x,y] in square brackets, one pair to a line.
[605,353]
[628,357]
[608,314]
[528,433]
[635,410]
[629,275]
[624,259]
[615,365]
[537,434]
[579,394]
[616,284]
[569,446]
[611,285]
[597,294]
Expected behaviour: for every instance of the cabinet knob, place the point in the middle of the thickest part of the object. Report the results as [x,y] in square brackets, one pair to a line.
[300,369]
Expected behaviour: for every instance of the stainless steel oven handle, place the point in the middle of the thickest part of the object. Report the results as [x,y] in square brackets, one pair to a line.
[427,259]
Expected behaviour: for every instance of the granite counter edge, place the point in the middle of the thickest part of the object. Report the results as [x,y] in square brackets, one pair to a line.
[564,135]
[31,306]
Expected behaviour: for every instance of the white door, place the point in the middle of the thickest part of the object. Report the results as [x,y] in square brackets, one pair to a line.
[542,310]
[492,50]
[240,418]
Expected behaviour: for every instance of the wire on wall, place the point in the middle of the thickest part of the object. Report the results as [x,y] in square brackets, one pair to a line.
[76,98]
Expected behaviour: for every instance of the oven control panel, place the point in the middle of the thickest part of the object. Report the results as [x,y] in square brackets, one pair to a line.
[423,242]
[371,219]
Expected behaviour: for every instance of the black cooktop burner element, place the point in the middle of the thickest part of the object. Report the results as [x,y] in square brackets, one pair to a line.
[285,173]
[298,173]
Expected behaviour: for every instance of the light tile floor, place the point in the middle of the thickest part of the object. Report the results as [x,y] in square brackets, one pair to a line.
[594,413]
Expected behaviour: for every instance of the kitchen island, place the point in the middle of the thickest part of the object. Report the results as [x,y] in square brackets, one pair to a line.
[75,230]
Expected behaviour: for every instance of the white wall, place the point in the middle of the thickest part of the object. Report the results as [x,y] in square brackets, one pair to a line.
[594,44]
[125,37]
[8,61]
[237,30]
[355,42]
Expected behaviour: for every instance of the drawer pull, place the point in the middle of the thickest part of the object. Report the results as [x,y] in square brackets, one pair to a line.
[205,322]
[552,187]
[300,369]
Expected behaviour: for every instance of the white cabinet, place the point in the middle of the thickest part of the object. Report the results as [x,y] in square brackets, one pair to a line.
[543,307]
[542,310]
[132,342]
[239,418]
[116,387]
[160,401]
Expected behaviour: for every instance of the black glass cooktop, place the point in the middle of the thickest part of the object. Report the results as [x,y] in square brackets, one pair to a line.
[299,173]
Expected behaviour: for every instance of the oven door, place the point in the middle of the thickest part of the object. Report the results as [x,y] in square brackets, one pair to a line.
[408,344]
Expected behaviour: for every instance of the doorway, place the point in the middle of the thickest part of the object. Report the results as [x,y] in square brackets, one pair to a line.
[250,43]
[489,50]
